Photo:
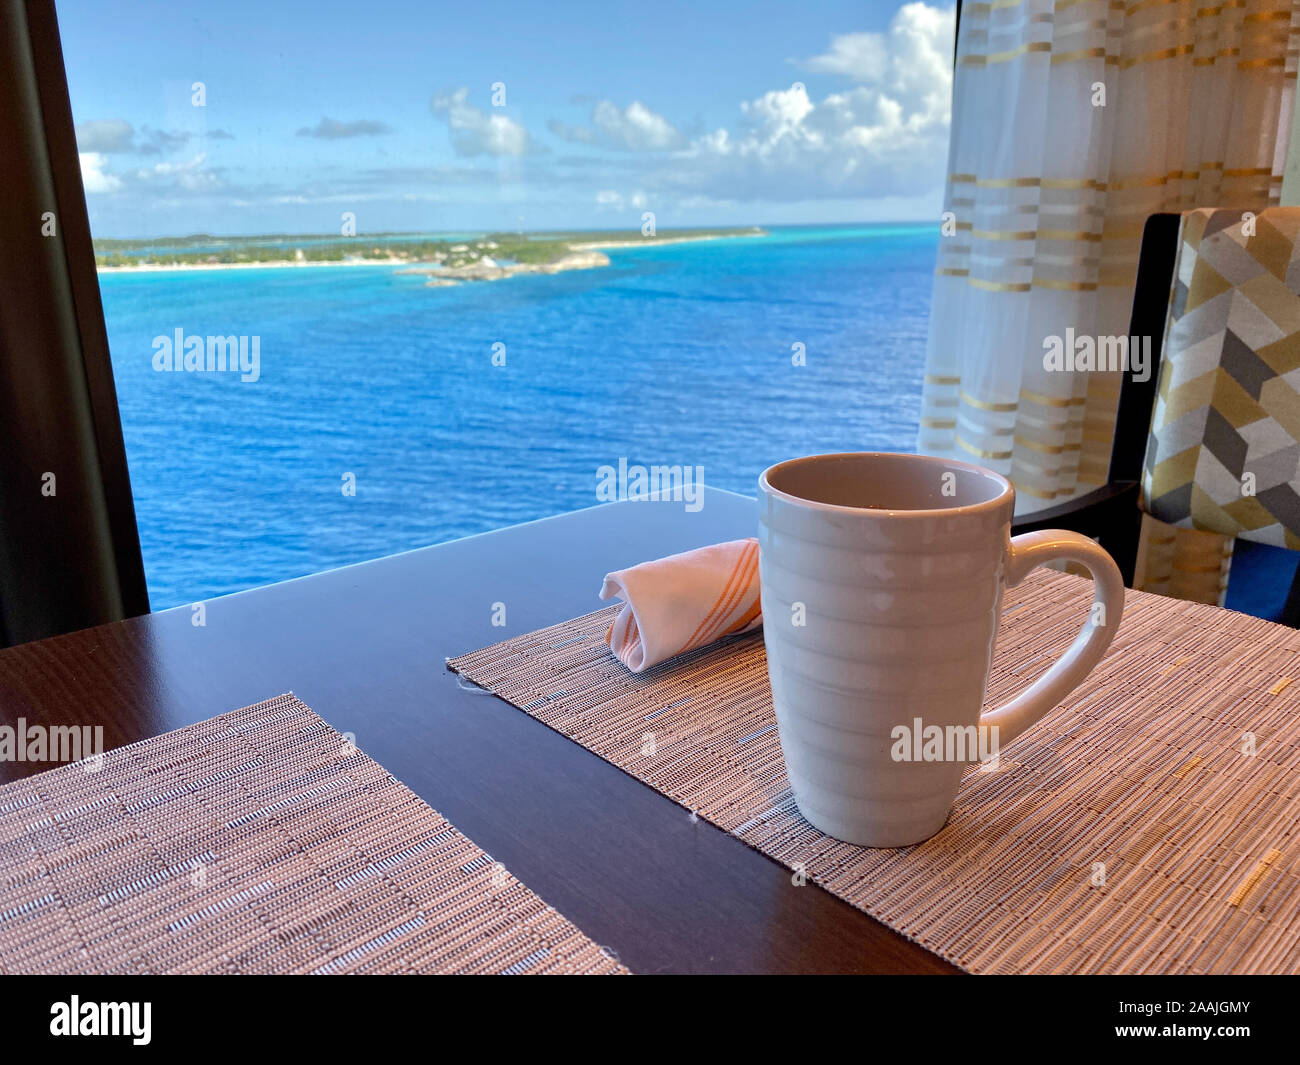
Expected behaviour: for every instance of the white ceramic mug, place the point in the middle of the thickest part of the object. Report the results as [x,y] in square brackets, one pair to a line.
[882,579]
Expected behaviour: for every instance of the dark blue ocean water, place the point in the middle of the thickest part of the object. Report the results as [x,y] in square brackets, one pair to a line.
[672,355]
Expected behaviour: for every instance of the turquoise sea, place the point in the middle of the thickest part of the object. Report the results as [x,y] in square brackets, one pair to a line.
[679,354]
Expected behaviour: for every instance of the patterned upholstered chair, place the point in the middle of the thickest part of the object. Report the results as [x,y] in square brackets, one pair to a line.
[1210,445]
[1223,453]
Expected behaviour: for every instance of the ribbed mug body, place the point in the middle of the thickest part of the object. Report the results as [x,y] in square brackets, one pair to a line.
[876,621]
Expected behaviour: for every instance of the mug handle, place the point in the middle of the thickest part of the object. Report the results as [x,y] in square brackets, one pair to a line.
[1024,554]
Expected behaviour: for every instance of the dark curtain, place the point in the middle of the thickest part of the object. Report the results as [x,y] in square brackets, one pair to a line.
[69,548]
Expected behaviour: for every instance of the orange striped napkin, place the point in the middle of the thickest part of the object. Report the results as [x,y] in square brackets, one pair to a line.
[681,602]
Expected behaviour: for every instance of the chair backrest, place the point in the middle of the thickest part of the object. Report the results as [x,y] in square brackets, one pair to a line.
[1223,452]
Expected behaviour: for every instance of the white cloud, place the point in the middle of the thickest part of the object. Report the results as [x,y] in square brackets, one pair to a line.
[576,134]
[636,127]
[189,175]
[886,135]
[911,63]
[474,132]
[106,135]
[331,129]
[93,175]
[116,135]
[860,56]
[780,111]
[192,175]
[618,202]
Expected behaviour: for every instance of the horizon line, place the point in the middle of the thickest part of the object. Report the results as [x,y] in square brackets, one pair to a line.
[361,237]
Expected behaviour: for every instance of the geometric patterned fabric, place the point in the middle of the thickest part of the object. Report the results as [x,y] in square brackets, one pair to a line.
[1223,454]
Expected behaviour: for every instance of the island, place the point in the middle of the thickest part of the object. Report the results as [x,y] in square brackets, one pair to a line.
[443,260]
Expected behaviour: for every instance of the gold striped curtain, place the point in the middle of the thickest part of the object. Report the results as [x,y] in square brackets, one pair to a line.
[1072,122]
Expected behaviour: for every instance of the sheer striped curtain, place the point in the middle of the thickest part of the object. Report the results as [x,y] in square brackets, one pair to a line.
[1072,122]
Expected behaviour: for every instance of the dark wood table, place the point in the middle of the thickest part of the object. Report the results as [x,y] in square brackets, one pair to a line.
[365,647]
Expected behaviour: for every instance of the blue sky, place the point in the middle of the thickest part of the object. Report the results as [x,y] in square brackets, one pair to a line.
[704,113]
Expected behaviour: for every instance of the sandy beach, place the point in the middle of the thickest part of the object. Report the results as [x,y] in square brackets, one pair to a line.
[596,245]
[162,268]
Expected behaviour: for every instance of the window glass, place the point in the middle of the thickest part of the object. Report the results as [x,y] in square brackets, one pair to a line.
[467,265]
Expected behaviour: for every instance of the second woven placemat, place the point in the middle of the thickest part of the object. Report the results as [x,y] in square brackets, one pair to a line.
[1148,824]
[260,841]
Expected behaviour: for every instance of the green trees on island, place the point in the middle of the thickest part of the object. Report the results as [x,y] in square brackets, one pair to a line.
[538,248]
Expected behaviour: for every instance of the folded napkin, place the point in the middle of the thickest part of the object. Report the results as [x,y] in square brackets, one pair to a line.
[681,602]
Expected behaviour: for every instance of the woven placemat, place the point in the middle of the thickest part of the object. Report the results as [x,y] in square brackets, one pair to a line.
[260,841]
[1147,825]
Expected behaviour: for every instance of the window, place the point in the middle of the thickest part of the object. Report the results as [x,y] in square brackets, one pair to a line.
[380,276]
